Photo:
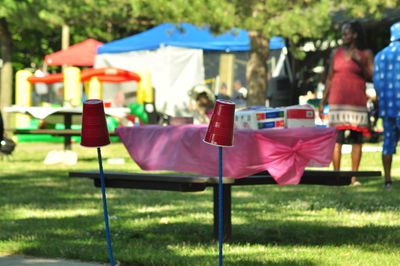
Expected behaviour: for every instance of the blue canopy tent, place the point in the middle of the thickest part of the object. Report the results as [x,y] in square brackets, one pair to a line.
[180,35]
[276,43]
[174,55]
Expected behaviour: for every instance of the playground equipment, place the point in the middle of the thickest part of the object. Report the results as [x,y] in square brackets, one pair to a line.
[92,80]
[24,88]
[72,86]
[72,78]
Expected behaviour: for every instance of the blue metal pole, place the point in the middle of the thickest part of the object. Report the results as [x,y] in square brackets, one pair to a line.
[220,206]
[103,192]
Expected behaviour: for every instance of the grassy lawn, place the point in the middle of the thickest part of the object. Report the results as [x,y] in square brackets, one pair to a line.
[46,214]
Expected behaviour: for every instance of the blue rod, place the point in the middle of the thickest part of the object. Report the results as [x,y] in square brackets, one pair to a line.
[220,205]
[103,192]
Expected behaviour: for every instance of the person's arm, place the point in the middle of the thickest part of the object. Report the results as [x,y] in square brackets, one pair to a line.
[366,66]
[1,128]
[376,74]
[327,85]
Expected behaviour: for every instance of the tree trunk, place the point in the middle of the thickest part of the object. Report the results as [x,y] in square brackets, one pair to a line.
[257,70]
[6,78]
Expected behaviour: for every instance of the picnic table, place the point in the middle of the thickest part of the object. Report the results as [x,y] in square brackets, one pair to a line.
[190,183]
[67,113]
[259,157]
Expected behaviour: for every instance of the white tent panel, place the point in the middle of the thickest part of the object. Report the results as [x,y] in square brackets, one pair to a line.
[174,71]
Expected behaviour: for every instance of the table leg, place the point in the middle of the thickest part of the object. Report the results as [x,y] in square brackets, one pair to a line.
[226,212]
[67,139]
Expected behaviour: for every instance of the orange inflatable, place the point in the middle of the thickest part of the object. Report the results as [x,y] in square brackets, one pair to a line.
[51,78]
[106,74]
[109,74]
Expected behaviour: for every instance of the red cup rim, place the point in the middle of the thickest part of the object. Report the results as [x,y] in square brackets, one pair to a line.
[217,145]
[93,101]
[225,101]
[95,146]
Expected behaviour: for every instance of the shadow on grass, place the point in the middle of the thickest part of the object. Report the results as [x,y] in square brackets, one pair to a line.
[86,227]
[75,237]
[315,234]
[276,233]
[69,237]
[76,233]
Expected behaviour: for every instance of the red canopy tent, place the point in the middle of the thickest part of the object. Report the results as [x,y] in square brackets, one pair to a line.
[80,54]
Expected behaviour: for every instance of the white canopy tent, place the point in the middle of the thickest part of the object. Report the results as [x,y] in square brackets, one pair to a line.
[174,71]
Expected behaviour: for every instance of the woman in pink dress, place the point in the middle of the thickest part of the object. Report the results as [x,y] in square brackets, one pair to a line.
[351,65]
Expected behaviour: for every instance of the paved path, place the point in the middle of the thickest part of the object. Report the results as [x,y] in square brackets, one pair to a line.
[30,261]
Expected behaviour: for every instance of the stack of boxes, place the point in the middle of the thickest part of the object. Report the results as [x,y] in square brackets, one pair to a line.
[260,117]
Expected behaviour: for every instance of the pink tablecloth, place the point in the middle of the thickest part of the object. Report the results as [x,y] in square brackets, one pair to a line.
[284,153]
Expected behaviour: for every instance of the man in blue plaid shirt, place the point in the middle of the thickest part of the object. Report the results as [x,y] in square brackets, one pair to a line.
[387,85]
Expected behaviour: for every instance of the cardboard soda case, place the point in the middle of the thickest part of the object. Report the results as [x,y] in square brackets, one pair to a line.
[300,116]
[259,117]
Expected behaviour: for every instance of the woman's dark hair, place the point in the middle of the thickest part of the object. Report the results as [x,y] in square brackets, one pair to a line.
[356,27]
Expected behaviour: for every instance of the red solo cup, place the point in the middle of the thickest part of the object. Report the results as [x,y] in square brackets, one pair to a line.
[94,126]
[220,129]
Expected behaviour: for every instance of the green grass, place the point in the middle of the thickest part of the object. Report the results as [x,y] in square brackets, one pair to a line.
[45,213]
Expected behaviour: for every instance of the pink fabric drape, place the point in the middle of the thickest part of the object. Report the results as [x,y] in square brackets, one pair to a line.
[284,153]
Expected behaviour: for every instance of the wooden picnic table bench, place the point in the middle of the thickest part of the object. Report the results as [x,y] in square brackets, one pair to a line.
[53,132]
[66,133]
[189,183]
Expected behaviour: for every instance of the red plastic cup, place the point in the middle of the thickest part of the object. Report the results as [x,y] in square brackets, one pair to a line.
[94,126]
[220,129]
